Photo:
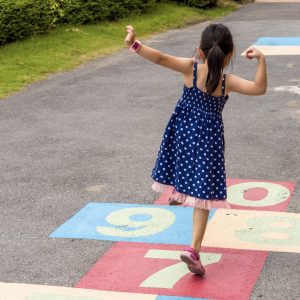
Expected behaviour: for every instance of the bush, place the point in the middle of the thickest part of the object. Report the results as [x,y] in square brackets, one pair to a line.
[23,18]
[91,11]
[202,3]
[198,3]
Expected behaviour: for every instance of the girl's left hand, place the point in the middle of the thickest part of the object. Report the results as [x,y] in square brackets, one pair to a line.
[130,38]
[254,53]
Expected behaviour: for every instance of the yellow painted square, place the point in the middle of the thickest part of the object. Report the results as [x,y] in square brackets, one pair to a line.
[254,230]
[19,291]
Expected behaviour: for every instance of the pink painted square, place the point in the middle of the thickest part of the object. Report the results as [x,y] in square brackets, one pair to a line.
[157,269]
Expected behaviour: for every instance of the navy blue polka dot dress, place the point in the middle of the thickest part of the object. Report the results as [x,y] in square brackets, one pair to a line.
[190,162]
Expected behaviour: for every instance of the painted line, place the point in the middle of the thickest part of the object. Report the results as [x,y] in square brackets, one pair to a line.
[278,41]
[277,45]
[277,50]
[295,89]
[255,230]
[251,194]
[130,222]
[157,269]
[19,291]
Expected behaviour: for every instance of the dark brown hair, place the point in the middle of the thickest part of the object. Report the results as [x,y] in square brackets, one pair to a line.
[216,43]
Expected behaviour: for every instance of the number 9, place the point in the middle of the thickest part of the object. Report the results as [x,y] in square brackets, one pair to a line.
[126,226]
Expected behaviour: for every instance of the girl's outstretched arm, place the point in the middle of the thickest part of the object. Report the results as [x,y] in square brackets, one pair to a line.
[179,64]
[243,86]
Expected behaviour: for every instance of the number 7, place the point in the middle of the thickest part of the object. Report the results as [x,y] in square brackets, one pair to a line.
[167,277]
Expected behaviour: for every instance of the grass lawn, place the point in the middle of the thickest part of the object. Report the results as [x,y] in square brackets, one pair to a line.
[65,47]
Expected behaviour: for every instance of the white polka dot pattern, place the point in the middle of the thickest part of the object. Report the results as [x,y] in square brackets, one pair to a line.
[191,154]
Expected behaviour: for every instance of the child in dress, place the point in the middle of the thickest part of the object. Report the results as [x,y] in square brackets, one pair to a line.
[191,160]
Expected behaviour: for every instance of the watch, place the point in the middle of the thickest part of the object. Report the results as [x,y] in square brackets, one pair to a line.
[136,46]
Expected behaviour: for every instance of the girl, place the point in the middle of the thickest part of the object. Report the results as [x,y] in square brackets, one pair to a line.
[191,160]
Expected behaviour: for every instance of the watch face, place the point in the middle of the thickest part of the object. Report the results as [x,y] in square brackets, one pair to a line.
[135,45]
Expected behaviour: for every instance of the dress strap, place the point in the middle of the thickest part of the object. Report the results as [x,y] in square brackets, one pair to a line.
[223,84]
[195,74]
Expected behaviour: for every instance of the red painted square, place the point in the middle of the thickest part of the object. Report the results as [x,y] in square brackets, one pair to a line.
[265,192]
[124,268]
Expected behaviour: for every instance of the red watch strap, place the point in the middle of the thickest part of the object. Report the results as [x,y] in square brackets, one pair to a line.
[136,46]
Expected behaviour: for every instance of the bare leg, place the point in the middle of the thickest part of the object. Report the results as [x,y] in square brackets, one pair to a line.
[200,218]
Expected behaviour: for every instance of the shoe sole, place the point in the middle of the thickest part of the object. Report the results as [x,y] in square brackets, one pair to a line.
[191,265]
[174,202]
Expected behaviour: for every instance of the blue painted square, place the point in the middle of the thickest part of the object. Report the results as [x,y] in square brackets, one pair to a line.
[278,41]
[131,223]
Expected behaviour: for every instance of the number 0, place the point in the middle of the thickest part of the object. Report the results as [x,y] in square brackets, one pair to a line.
[277,193]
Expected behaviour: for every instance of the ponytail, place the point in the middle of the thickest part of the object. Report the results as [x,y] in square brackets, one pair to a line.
[216,43]
[215,63]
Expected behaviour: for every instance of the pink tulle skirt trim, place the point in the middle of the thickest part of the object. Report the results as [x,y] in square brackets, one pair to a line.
[188,200]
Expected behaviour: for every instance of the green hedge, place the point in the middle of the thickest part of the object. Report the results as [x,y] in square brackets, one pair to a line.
[91,11]
[20,19]
[198,3]
[23,18]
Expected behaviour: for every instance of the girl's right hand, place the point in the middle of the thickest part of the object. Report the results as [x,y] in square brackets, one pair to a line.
[254,53]
[130,38]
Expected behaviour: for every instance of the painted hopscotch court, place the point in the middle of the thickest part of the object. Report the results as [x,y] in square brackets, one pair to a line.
[278,45]
[145,259]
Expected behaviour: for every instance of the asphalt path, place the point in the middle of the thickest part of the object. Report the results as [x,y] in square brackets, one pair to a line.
[92,134]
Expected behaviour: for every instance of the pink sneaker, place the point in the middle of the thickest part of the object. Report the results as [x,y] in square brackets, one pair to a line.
[174,202]
[192,259]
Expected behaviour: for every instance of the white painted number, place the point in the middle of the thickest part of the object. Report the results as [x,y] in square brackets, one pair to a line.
[278,230]
[124,225]
[277,193]
[167,277]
